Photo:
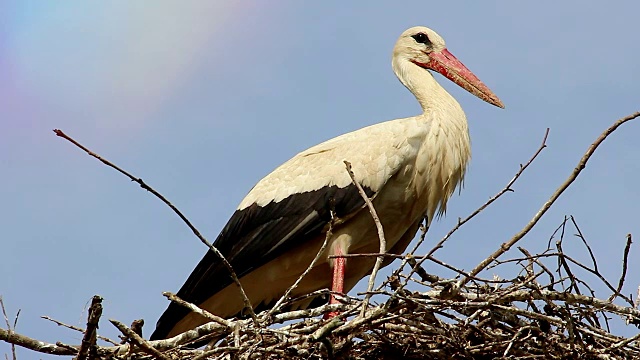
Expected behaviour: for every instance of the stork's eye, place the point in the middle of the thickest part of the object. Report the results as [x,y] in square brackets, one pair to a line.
[421,38]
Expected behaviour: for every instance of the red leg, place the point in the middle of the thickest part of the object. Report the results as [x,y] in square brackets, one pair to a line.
[337,285]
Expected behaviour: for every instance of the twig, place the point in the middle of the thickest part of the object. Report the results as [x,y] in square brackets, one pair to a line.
[599,276]
[319,254]
[562,263]
[572,177]
[584,241]
[621,343]
[136,326]
[361,320]
[377,254]
[538,262]
[421,271]
[560,228]
[514,338]
[522,295]
[424,227]
[224,350]
[326,329]
[234,276]
[309,313]
[495,197]
[560,258]
[88,344]
[60,323]
[505,189]
[450,267]
[625,258]
[138,341]
[202,312]
[383,241]
[9,328]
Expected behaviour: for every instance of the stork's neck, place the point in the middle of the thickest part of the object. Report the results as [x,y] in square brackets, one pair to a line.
[447,139]
[429,93]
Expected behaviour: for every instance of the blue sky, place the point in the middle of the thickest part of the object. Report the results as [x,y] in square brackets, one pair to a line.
[202,100]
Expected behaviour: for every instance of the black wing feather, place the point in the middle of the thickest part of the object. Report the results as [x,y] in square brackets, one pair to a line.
[254,236]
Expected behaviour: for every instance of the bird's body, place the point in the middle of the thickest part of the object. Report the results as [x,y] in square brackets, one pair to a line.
[408,167]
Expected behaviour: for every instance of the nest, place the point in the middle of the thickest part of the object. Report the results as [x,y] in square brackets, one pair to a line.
[525,317]
[546,308]
[542,312]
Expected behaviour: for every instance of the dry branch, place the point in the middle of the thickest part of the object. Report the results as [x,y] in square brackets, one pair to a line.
[75,328]
[88,345]
[9,327]
[383,241]
[507,188]
[623,275]
[319,254]
[26,342]
[135,339]
[247,304]
[547,205]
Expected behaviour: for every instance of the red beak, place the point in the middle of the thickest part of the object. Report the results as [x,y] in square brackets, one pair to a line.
[450,67]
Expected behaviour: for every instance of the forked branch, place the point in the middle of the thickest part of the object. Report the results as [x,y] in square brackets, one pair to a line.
[545,207]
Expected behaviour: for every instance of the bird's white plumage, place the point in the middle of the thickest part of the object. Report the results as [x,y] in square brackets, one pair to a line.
[376,152]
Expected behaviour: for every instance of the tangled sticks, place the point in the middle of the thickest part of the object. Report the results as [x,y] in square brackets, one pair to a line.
[547,309]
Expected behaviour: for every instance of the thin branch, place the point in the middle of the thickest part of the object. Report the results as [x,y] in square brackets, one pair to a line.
[383,241]
[584,241]
[9,328]
[599,276]
[536,259]
[621,344]
[224,350]
[507,188]
[139,341]
[88,344]
[202,312]
[326,329]
[636,305]
[504,190]
[234,276]
[319,254]
[377,254]
[623,275]
[424,227]
[545,207]
[570,298]
[309,313]
[78,329]
[422,273]
[563,264]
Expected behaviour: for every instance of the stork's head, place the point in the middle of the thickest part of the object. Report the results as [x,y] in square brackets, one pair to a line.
[425,48]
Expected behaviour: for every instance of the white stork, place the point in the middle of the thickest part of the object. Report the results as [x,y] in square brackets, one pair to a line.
[408,167]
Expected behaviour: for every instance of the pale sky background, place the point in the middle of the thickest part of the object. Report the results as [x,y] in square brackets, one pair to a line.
[202,100]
